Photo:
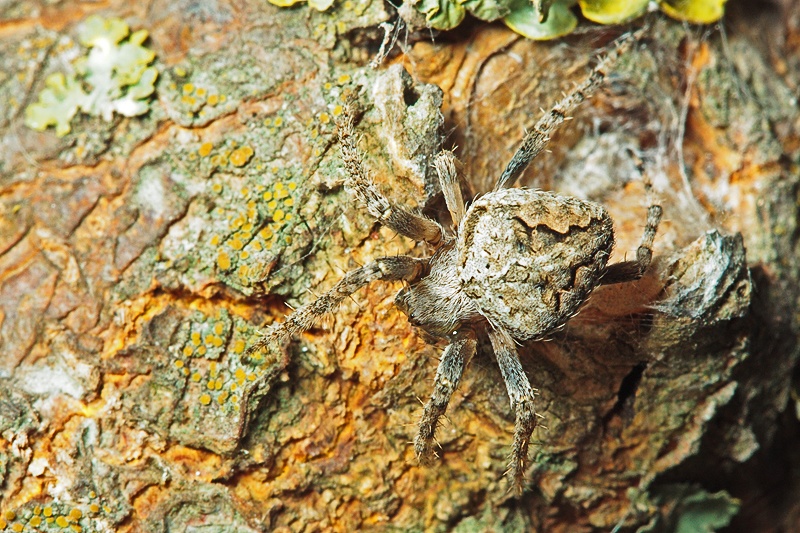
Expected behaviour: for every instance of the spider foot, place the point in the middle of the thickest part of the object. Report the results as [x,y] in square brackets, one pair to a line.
[525,424]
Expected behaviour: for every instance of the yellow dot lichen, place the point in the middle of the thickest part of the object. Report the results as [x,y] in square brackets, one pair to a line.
[223,261]
[35,521]
[344,78]
[62,521]
[222,397]
[76,528]
[9,515]
[241,156]
[213,99]
[196,338]
[238,346]
[337,110]
[278,122]
[236,243]
[201,350]
[214,240]
[75,514]
[324,118]
[205,149]
[219,328]
[17,527]
[272,204]
[200,92]
[187,351]
[289,202]
[47,511]
[267,196]
[196,377]
[179,363]
[188,88]
[94,508]
[205,399]
[278,215]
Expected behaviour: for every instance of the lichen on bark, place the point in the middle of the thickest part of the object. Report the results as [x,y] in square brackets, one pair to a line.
[138,259]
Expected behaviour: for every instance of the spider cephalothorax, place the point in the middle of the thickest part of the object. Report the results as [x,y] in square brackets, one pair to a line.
[517,265]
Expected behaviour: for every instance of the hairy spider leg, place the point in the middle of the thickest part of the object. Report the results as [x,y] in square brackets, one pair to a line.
[536,139]
[446,166]
[632,270]
[455,357]
[395,268]
[358,181]
[521,395]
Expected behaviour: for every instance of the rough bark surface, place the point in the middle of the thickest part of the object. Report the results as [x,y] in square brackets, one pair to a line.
[140,257]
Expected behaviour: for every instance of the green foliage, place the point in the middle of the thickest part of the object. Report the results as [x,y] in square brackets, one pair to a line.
[114,77]
[546,19]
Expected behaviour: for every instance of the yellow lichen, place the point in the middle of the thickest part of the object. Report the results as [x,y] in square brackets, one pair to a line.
[241,156]
[179,363]
[201,350]
[238,346]
[236,243]
[187,351]
[214,240]
[278,215]
[200,92]
[278,122]
[205,399]
[196,377]
[213,99]
[188,88]
[62,521]
[223,261]
[344,78]
[93,507]
[35,521]
[289,202]
[205,149]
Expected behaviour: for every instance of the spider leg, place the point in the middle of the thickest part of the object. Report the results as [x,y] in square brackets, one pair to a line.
[536,139]
[455,357]
[521,395]
[385,268]
[446,166]
[625,271]
[358,181]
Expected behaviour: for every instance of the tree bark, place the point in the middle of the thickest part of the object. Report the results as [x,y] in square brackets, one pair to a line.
[140,257]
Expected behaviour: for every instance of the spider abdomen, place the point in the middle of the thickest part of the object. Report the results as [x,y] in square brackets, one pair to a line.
[529,258]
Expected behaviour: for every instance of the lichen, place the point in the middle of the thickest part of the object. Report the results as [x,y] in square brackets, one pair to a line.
[544,20]
[113,77]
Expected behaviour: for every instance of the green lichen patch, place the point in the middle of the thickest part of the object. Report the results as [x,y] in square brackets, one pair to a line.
[114,77]
[209,359]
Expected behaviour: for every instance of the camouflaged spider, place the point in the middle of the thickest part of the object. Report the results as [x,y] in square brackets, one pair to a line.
[518,266]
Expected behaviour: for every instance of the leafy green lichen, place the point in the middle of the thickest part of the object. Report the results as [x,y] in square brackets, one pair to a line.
[546,19]
[114,77]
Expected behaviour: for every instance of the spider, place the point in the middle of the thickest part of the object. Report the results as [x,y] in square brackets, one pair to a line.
[517,266]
